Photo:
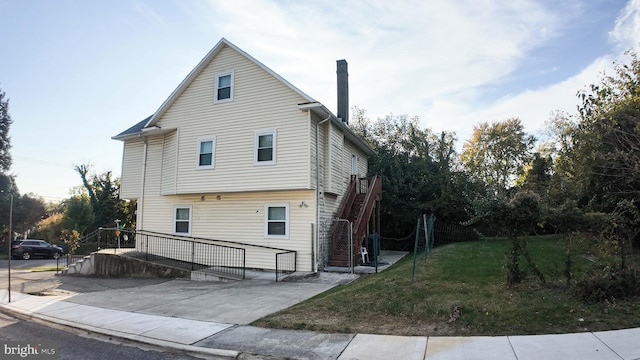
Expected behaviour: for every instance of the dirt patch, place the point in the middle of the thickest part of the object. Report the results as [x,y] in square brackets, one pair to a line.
[360,323]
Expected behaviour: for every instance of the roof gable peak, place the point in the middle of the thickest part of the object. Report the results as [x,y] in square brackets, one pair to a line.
[202,65]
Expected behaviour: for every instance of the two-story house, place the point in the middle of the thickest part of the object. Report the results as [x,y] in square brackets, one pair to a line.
[237,153]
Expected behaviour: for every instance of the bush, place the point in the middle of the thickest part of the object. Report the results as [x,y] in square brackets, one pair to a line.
[609,287]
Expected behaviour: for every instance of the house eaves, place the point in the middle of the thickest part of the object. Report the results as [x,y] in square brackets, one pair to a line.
[323,112]
[135,130]
[139,130]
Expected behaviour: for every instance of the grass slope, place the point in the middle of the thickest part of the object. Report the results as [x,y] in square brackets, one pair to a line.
[469,275]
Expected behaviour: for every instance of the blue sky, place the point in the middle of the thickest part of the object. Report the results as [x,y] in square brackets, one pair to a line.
[80,71]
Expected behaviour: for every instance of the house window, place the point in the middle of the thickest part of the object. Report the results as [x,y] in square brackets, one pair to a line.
[182,220]
[276,221]
[206,152]
[224,87]
[265,147]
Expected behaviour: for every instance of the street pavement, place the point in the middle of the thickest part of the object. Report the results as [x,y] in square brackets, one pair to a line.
[210,319]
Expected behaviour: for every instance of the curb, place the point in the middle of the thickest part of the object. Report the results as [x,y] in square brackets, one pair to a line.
[160,344]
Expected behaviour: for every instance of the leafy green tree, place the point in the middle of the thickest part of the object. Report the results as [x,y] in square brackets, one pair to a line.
[515,218]
[496,154]
[28,210]
[5,140]
[608,141]
[49,228]
[419,169]
[537,175]
[595,183]
[8,190]
[103,194]
[78,214]
[597,153]
[71,238]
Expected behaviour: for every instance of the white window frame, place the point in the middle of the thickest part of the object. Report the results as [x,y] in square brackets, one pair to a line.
[201,140]
[286,221]
[217,87]
[259,133]
[175,220]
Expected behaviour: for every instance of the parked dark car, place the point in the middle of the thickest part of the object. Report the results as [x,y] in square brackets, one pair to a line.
[30,248]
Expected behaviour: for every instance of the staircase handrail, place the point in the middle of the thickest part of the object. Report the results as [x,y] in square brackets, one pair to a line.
[374,189]
[349,197]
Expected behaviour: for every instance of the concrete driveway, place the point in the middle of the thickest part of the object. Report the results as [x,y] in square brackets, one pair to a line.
[239,302]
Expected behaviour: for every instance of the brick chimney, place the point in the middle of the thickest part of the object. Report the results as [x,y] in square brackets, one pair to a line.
[343,91]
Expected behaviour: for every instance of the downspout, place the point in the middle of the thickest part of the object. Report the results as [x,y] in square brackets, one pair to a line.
[318,191]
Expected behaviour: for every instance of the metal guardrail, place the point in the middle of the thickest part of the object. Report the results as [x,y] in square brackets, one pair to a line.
[218,256]
[192,254]
[285,263]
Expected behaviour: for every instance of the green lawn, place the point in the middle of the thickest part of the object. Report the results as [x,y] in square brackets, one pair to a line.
[471,276]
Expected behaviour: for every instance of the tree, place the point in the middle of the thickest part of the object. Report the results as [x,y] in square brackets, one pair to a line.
[608,141]
[102,191]
[49,228]
[515,218]
[5,140]
[78,214]
[28,210]
[537,175]
[419,169]
[496,154]
[598,158]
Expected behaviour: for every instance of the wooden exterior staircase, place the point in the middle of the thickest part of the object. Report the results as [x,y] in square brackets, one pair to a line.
[357,209]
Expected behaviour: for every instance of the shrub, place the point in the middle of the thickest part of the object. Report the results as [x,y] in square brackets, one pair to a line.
[608,286]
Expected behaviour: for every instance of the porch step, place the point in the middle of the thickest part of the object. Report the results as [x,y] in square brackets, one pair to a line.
[339,263]
[83,266]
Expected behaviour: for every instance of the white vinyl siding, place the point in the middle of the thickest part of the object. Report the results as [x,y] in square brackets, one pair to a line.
[240,217]
[337,174]
[354,164]
[361,159]
[168,161]
[260,101]
[131,179]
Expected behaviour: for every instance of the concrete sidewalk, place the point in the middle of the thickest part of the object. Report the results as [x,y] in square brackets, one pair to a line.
[219,339]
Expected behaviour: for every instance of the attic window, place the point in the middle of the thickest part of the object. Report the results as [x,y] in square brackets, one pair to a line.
[224,87]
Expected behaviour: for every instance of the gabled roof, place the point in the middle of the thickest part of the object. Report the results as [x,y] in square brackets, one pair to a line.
[153,119]
[202,65]
[150,121]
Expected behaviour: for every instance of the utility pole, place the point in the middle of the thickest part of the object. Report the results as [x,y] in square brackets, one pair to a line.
[10,239]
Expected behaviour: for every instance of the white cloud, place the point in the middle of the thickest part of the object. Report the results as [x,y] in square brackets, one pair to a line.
[404,56]
[626,33]
[445,61]
[534,107]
